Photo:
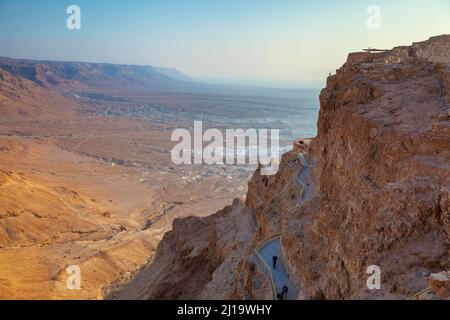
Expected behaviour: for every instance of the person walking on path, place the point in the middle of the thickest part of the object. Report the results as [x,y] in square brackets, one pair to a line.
[285,292]
[274,260]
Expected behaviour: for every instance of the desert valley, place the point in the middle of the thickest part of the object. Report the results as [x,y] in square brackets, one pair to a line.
[81,187]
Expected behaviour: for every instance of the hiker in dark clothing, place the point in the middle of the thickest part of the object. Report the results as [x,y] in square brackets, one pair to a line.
[274,259]
[285,292]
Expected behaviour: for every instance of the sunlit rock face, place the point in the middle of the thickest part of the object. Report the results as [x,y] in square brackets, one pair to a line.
[382,177]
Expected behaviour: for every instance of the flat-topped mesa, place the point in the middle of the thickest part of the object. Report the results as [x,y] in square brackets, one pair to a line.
[436,49]
[365,75]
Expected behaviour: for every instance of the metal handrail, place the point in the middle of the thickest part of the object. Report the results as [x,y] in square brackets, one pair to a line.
[305,164]
[272,281]
[277,235]
[269,275]
[418,294]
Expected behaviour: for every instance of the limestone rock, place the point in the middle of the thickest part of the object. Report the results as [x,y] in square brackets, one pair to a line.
[440,284]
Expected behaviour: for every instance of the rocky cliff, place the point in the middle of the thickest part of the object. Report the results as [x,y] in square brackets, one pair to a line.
[199,259]
[373,189]
[382,177]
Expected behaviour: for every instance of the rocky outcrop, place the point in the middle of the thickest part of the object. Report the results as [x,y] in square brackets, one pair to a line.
[440,284]
[199,259]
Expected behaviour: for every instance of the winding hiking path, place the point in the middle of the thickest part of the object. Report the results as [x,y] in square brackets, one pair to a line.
[303,177]
[271,247]
[279,275]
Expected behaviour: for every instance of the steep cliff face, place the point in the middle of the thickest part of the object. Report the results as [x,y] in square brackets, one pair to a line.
[200,259]
[381,178]
[372,189]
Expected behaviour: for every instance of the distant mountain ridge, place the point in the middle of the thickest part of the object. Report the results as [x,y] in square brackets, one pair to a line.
[85,76]
[173,73]
[120,79]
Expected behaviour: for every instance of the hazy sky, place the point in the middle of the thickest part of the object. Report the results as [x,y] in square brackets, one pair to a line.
[284,43]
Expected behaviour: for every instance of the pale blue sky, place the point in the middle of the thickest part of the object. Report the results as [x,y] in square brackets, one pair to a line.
[284,43]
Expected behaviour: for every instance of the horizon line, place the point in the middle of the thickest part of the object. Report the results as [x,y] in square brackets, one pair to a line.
[207,80]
